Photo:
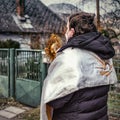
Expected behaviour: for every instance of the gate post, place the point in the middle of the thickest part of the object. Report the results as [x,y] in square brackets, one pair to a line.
[43,71]
[44,66]
[12,72]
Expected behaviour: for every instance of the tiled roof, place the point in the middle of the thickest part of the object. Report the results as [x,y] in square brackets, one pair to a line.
[41,17]
[7,23]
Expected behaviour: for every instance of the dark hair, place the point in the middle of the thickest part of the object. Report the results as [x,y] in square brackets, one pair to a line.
[82,23]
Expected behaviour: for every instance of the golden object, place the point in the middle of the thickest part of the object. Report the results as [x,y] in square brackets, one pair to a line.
[52,45]
[106,68]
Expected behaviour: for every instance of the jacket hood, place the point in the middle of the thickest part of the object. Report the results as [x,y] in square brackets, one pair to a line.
[93,41]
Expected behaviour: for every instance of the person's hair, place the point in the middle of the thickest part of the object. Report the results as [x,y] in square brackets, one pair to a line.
[82,22]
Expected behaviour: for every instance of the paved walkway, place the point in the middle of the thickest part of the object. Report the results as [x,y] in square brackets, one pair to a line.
[11,112]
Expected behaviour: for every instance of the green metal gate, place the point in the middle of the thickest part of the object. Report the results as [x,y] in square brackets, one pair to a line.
[4,73]
[29,74]
[21,75]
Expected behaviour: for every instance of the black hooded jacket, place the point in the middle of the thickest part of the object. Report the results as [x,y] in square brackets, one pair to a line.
[93,41]
[87,103]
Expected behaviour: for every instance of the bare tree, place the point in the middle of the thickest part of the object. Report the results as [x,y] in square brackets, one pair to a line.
[111,19]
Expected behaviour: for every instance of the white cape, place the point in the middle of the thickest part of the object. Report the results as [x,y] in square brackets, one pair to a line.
[74,69]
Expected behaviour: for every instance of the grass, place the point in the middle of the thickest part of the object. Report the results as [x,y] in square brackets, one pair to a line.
[114,104]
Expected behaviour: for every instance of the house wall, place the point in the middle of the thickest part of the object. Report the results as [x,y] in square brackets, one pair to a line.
[25,40]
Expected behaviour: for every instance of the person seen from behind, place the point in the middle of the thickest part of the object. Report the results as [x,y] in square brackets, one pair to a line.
[78,80]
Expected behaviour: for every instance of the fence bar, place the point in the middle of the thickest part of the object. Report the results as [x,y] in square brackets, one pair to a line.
[12,73]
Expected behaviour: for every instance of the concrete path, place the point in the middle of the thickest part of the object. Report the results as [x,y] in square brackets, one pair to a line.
[11,112]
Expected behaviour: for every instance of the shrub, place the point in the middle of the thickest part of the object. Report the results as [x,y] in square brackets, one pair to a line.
[9,44]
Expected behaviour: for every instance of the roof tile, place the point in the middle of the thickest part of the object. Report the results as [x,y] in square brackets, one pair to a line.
[41,17]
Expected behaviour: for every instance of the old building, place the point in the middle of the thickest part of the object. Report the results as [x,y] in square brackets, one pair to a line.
[26,20]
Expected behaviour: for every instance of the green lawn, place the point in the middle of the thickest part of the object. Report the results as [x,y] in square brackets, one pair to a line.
[114,104]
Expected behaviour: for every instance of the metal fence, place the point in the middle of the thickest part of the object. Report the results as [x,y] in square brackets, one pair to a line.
[114,94]
[116,61]
[4,61]
[21,75]
[4,73]
[29,75]
[28,64]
